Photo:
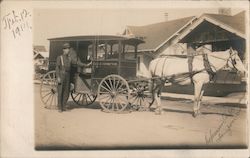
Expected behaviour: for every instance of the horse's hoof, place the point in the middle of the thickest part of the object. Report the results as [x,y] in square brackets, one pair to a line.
[196,113]
[159,112]
[151,109]
[142,109]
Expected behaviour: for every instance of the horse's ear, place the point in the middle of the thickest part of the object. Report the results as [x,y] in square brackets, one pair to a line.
[231,51]
[236,52]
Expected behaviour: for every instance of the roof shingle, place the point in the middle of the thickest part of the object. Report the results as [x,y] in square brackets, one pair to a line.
[237,21]
[155,34]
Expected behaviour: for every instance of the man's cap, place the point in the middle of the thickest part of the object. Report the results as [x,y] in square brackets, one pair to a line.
[66,45]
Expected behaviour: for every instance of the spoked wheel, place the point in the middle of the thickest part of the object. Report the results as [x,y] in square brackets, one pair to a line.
[141,98]
[113,93]
[83,99]
[48,90]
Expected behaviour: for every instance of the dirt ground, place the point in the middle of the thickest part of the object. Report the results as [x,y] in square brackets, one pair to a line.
[220,125]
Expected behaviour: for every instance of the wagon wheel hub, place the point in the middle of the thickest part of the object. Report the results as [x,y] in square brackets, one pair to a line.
[141,98]
[113,94]
[140,94]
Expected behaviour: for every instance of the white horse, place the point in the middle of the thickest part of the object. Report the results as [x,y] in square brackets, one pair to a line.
[168,69]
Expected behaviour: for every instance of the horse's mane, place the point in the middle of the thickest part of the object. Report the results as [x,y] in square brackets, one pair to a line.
[219,54]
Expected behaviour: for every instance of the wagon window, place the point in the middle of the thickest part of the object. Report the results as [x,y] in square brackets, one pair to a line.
[129,52]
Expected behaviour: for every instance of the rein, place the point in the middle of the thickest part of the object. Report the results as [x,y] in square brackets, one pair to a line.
[208,67]
[229,59]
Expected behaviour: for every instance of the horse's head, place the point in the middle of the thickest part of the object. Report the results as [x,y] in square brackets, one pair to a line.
[235,62]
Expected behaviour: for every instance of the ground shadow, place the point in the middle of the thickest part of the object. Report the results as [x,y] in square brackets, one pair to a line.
[73,105]
[204,110]
[176,99]
[95,105]
[178,111]
[191,112]
[232,105]
[216,113]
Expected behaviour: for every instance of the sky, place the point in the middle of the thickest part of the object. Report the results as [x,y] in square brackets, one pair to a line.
[50,23]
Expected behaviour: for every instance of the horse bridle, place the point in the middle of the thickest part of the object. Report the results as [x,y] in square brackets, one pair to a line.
[230,59]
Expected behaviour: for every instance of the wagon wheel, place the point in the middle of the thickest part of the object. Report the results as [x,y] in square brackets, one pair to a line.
[141,97]
[48,90]
[83,99]
[113,93]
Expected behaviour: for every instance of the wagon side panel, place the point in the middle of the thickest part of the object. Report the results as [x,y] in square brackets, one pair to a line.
[101,69]
[54,51]
[128,69]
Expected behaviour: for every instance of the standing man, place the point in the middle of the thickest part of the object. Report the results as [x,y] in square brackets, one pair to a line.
[63,67]
[63,70]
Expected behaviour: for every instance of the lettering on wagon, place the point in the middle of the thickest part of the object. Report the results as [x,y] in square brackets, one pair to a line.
[105,64]
[17,22]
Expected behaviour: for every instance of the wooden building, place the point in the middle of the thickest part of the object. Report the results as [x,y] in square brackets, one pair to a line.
[216,31]
[219,31]
[158,39]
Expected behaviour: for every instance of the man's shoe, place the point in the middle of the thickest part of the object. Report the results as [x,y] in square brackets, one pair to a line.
[60,110]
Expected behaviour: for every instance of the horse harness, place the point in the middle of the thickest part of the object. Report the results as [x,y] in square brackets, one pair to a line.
[160,81]
[206,63]
[189,74]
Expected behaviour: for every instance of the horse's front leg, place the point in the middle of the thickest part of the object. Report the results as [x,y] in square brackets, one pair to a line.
[156,88]
[157,96]
[198,93]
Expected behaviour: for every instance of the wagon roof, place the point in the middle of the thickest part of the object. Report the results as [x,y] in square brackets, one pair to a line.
[101,38]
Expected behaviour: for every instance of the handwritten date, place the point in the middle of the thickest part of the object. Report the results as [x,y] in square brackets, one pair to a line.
[17,22]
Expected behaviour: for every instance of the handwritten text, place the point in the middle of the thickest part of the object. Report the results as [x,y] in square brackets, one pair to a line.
[17,22]
[224,127]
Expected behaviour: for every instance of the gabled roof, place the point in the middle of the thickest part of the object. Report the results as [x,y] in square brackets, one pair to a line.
[41,55]
[234,24]
[40,52]
[39,48]
[44,54]
[237,21]
[157,34]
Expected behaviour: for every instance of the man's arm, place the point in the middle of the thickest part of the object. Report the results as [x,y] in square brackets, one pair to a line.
[79,63]
[75,59]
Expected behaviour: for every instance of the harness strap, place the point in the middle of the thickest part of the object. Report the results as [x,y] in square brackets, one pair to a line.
[191,53]
[190,67]
[155,68]
[207,66]
[163,66]
[62,60]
